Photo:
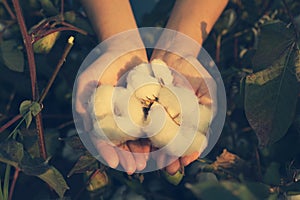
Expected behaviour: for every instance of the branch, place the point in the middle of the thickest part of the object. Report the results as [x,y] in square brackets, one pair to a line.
[32,69]
[28,46]
[13,184]
[9,123]
[10,12]
[58,66]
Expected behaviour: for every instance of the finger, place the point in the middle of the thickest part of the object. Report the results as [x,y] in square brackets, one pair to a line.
[107,152]
[126,158]
[146,147]
[138,154]
[161,159]
[186,160]
[173,167]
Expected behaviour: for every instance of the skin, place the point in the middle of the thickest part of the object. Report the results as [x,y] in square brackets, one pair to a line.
[195,18]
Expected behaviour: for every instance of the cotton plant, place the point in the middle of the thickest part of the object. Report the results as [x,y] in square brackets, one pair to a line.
[149,105]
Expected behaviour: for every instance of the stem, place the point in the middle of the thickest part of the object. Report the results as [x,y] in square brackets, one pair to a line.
[62,3]
[10,12]
[58,66]
[28,46]
[13,184]
[9,123]
[6,181]
[32,69]
[40,134]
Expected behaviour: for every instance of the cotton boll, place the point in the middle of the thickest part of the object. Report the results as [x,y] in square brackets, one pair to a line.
[160,133]
[127,105]
[198,145]
[205,115]
[180,103]
[107,129]
[142,83]
[186,141]
[101,101]
[169,101]
[162,72]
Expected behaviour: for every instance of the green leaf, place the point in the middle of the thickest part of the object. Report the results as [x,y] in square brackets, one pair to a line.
[260,190]
[272,175]
[85,163]
[173,179]
[95,181]
[29,109]
[274,40]
[48,6]
[271,97]
[45,44]
[25,106]
[11,56]
[78,21]
[56,181]
[225,190]
[35,108]
[11,152]
[226,21]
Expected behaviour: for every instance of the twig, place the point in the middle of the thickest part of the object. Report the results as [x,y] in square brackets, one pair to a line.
[7,7]
[13,183]
[58,66]
[9,123]
[66,28]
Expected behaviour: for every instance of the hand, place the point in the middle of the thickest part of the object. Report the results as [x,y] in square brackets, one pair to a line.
[185,68]
[87,82]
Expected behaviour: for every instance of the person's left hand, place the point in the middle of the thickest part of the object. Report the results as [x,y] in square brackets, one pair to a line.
[200,88]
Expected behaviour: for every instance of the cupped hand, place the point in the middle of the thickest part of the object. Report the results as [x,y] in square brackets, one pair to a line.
[198,84]
[87,82]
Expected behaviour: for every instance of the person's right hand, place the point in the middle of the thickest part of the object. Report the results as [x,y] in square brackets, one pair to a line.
[87,82]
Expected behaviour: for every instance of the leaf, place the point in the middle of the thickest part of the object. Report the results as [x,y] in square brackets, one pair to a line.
[96,181]
[35,108]
[272,175]
[225,190]
[271,97]
[45,44]
[85,163]
[226,21]
[274,40]
[78,21]
[48,6]
[56,181]
[75,142]
[28,109]
[11,152]
[260,190]
[173,179]
[11,56]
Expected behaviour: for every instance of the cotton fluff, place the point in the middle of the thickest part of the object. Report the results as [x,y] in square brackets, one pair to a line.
[119,112]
